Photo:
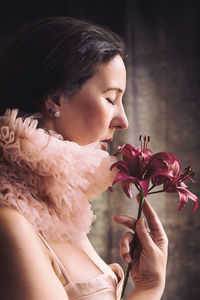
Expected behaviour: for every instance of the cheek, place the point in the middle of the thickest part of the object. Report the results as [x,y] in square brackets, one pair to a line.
[96,114]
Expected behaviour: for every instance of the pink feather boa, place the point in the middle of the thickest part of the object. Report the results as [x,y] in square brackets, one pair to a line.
[49,180]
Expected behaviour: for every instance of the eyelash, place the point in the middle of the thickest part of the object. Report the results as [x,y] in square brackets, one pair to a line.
[109,100]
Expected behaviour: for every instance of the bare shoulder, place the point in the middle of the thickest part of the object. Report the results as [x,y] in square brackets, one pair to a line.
[25,268]
[12,223]
[18,235]
[16,231]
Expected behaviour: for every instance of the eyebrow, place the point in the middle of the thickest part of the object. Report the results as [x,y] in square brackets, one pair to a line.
[114,89]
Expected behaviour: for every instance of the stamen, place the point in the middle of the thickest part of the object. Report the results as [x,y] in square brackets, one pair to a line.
[188,174]
[146,140]
[140,139]
[188,171]
[184,178]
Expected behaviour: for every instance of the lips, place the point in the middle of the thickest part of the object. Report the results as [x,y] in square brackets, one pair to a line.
[104,144]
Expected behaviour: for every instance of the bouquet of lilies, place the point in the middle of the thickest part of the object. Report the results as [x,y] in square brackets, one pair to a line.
[146,171]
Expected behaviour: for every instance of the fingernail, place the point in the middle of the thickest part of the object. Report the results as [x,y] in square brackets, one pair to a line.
[118,218]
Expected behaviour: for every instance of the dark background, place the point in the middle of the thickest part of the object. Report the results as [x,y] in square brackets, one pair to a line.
[108,13]
[162,100]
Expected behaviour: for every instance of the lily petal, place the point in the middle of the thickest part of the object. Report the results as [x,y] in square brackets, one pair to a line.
[184,195]
[121,165]
[122,176]
[126,186]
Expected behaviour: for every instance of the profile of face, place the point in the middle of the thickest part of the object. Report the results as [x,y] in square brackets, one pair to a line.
[96,111]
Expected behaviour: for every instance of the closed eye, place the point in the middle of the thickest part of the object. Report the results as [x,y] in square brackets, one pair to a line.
[109,100]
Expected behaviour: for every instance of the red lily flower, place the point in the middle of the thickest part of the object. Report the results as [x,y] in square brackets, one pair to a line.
[173,164]
[176,185]
[139,166]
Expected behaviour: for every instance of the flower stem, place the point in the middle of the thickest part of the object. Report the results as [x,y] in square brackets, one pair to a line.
[140,205]
[151,188]
[138,187]
[135,243]
[156,192]
[125,281]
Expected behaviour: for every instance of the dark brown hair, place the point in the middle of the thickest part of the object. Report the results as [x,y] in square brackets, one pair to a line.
[52,56]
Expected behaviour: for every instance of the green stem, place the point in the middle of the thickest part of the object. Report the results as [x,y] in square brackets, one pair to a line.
[125,281]
[138,187]
[156,192]
[140,205]
[135,242]
[151,188]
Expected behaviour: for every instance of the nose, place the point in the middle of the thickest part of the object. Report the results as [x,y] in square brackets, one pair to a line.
[120,120]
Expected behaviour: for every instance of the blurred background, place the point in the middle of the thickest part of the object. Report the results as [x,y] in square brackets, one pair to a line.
[162,100]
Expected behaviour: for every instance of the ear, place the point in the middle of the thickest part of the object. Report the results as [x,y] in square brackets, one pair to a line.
[53,107]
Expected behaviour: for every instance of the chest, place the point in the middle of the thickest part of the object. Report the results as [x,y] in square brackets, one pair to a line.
[81,263]
[87,274]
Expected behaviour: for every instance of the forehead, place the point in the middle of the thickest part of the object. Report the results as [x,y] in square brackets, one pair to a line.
[111,75]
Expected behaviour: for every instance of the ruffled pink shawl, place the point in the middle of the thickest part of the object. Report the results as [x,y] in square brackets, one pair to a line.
[48,180]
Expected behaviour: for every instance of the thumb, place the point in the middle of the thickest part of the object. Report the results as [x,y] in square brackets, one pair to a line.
[144,235]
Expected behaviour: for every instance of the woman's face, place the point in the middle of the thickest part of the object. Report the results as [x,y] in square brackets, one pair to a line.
[96,111]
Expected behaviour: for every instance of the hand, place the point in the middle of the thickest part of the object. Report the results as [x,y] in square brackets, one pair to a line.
[150,254]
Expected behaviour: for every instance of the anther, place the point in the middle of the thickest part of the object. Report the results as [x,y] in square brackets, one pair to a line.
[188,170]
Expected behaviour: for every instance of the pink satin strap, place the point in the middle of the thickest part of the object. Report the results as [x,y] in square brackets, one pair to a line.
[62,268]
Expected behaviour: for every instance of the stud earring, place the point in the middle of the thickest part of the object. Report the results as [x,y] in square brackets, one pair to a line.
[57,114]
[54,113]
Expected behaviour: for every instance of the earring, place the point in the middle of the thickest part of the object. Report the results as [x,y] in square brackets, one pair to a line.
[56,114]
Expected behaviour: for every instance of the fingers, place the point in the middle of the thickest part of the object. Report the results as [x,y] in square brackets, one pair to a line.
[144,235]
[157,232]
[125,242]
[149,239]
[126,221]
[152,218]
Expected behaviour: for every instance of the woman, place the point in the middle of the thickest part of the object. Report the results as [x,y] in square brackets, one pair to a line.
[63,80]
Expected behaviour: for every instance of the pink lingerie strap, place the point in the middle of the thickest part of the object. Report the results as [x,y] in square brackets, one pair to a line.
[62,268]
